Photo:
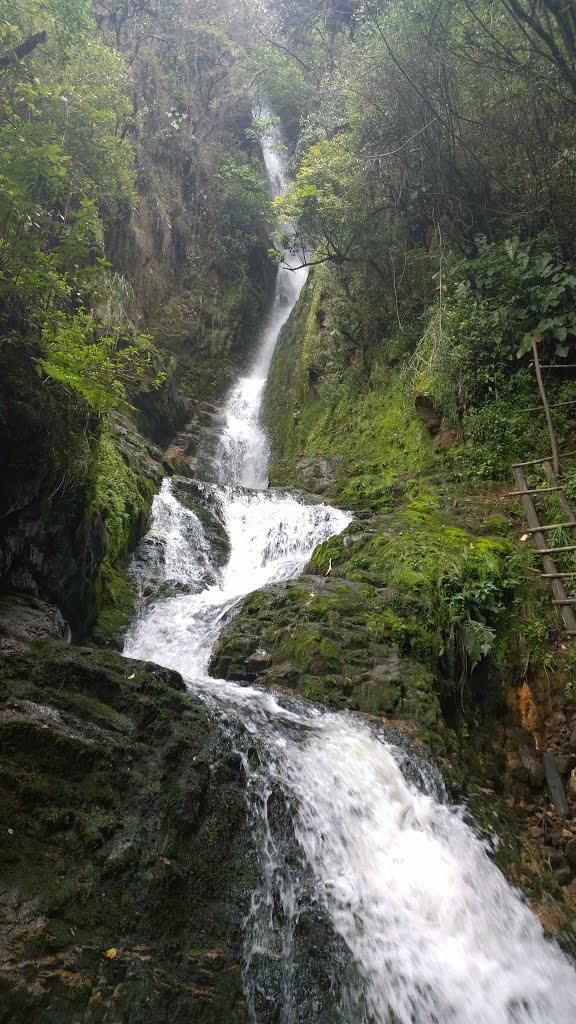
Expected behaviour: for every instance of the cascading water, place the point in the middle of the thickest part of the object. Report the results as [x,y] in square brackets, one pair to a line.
[242,452]
[409,920]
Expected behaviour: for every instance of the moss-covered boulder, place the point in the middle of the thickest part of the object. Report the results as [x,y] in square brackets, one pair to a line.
[405,614]
[125,856]
[329,639]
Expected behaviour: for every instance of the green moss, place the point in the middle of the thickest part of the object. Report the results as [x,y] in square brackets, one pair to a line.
[310,651]
[127,473]
[440,579]
[121,498]
[313,396]
[116,598]
[85,704]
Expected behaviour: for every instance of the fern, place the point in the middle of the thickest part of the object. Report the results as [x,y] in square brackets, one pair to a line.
[478,641]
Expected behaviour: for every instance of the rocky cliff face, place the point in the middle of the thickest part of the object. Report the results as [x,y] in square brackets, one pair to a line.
[71,509]
[49,543]
[55,527]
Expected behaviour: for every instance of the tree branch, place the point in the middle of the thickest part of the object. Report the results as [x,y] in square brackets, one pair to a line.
[23,49]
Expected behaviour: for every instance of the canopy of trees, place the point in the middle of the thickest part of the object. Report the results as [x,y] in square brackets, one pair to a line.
[106,107]
[434,160]
[435,173]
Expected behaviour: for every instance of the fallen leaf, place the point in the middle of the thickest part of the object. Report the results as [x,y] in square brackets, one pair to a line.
[111,953]
[524,537]
[133,676]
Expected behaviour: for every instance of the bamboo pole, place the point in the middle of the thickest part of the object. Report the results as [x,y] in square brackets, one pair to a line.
[536,462]
[560,496]
[544,397]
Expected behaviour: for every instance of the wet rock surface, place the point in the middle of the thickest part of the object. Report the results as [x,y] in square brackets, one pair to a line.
[195,498]
[201,429]
[125,853]
[317,473]
[24,619]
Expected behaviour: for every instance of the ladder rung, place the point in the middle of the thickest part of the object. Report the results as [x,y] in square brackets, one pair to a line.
[540,408]
[557,575]
[557,366]
[551,551]
[537,490]
[553,526]
[567,600]
[535,462]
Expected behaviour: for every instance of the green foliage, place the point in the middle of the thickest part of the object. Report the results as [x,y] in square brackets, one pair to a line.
[64,170]
[259,128]
[478,640]
[328,203]
[100,367]
[534,636]
[283,83]
[470,362]
[471,344]
[527,291]
[570,675]
[243,202]
[63,166]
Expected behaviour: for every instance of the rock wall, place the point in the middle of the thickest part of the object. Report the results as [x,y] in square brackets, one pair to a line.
[58,536]
[55,530]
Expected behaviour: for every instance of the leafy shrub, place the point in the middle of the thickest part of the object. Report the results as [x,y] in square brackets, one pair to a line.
[481,330]
[100,367]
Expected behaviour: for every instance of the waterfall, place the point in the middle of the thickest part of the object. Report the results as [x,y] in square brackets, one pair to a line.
[357,844]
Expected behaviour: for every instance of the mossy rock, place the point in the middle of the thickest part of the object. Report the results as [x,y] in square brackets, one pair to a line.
[126,859]
[117,597]
[410,584]
[324,637]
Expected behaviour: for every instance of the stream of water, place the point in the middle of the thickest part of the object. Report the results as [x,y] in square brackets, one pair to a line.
[377,903]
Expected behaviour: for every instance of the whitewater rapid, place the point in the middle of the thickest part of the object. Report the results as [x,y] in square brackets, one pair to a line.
[422,927]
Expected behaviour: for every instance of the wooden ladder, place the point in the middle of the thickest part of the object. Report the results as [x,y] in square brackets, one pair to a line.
[538,530]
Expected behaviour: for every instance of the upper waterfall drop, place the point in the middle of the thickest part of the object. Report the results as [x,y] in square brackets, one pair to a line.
[242,452]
